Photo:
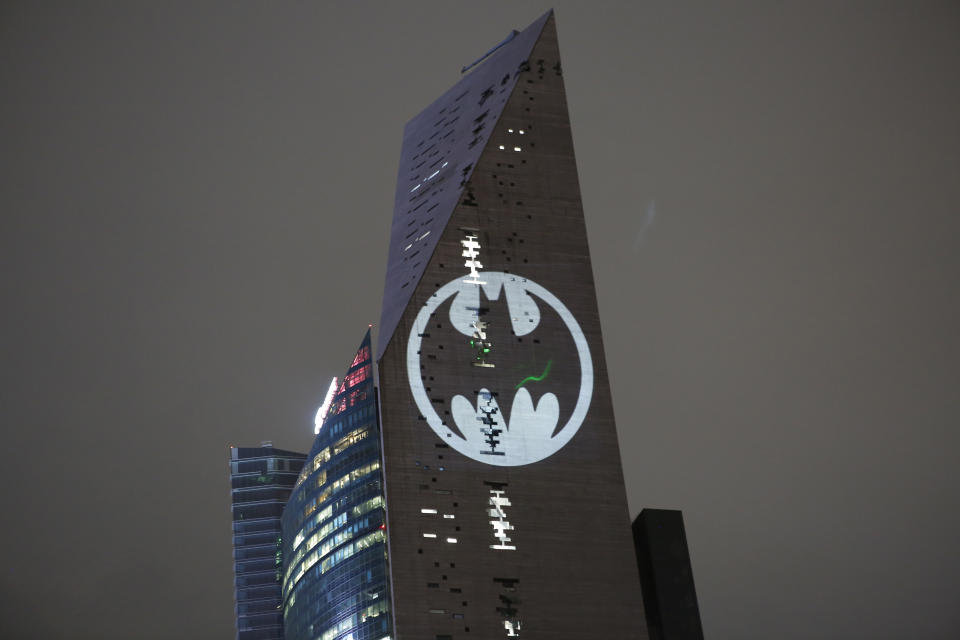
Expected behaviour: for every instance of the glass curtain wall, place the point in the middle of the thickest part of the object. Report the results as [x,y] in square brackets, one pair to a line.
[335,583]
[261,479]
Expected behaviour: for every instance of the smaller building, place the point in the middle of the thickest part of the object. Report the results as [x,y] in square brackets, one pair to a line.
[335,584]
[666,576]
[261,479]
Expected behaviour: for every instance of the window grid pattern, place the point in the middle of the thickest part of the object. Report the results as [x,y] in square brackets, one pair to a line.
[261,479]
[334,577]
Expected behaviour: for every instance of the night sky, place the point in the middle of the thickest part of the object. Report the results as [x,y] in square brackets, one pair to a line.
[195,202]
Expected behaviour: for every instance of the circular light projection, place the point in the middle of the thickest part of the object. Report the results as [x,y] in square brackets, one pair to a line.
[529,436]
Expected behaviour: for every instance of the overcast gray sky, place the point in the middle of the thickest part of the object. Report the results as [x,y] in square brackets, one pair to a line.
[196,201]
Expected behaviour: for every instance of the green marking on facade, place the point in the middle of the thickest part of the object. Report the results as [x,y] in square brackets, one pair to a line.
[543,375]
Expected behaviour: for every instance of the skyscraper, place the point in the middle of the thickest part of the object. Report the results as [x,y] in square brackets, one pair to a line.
[506,508]
[260,482]
[335,571]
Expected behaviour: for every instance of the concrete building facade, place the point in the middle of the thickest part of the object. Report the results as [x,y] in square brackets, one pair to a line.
[506,508]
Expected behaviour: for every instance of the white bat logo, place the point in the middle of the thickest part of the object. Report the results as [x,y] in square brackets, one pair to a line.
[488,437]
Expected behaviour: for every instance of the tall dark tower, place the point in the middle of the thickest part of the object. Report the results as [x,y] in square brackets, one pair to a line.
[507,514]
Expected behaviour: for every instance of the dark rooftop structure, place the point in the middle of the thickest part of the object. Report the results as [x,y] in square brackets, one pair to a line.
[669,597]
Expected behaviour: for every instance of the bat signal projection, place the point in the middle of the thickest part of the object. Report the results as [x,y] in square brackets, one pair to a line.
[487,436]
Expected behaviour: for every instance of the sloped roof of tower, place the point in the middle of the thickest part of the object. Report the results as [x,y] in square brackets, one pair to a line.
[355,386]
[441,145]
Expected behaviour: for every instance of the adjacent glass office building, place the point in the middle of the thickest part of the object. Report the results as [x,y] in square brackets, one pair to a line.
[261,479]
[335,581]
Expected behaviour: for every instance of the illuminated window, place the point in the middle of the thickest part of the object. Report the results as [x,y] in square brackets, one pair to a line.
[351,439]
[452,540]
[362,356]
[336,557]
[429,511]
[374,610]
[355,397]
[344,625]
[354,378]
[429,535]
[499,500]
[321,536]
[508,609]
[470,246]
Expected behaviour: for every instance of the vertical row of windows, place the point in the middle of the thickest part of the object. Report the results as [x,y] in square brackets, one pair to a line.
[515,139]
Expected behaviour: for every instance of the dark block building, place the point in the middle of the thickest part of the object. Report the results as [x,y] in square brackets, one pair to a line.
[334,545]
[507,513]
[261,479]
[669,597]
